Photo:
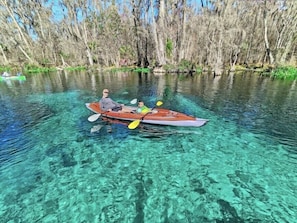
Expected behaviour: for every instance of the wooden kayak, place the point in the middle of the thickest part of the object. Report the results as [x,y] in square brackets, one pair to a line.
[158,116]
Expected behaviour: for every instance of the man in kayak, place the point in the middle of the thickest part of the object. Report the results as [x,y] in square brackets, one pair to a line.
[107,104]
[142,108]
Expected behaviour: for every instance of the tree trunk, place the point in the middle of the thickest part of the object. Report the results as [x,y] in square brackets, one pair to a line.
[181,44]
[162,32]
[267,46]
[3,54]
[136,22]
[159,32]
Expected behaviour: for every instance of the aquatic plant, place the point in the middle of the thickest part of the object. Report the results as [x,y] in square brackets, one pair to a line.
[29,68]
[142,70]
[75,68]
[285,72]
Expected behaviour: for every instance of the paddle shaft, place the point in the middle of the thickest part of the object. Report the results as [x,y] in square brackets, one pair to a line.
[135,123]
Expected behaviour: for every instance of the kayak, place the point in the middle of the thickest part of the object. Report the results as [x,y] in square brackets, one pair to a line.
[20,78]
[158,116]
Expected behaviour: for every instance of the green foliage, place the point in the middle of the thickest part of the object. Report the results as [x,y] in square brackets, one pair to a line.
[123,50]
[169,47]
[126,52]
[129,69]
[288,73]
[168,67]
[112,21]
[4,68]
[142,70]
[29,68]
[92,45]
[185,64]
[199,70]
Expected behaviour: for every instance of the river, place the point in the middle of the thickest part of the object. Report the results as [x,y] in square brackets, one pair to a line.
[240,167]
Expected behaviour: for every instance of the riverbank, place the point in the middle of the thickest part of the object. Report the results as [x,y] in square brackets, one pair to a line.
[280,72]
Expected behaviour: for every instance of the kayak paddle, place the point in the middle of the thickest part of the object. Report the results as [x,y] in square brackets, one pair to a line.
[135,123]
[134,101]
[94,117]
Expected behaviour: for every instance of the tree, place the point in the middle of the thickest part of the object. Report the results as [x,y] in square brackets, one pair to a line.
[216,34]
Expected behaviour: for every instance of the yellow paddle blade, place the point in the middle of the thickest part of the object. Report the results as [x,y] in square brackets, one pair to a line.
[134,124]
[159,103]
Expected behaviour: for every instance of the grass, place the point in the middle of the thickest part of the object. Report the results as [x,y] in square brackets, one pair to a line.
[35,69]
[284,73]
[38,69]
[129,69]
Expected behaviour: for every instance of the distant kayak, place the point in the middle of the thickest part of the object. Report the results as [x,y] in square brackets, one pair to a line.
[20,78]
[158,116]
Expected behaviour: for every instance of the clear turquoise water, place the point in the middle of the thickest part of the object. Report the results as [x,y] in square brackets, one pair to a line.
[240,167]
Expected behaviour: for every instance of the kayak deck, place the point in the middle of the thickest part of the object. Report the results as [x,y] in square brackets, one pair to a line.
[159,116]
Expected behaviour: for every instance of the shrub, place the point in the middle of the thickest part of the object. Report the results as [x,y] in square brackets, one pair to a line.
[288,73]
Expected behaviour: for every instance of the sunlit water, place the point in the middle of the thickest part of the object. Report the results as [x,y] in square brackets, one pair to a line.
[240,167]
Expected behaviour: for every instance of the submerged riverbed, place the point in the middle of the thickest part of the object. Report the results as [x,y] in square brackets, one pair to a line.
[240,167]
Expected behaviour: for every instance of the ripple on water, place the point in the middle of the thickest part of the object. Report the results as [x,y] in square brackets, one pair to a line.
[223,172]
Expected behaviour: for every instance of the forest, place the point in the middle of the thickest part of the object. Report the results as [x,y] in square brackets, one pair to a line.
[213,34]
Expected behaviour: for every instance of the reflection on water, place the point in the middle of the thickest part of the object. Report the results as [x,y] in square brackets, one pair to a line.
[55,166]
[260,104]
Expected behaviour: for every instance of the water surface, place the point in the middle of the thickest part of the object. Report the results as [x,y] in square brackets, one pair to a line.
[240,167]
